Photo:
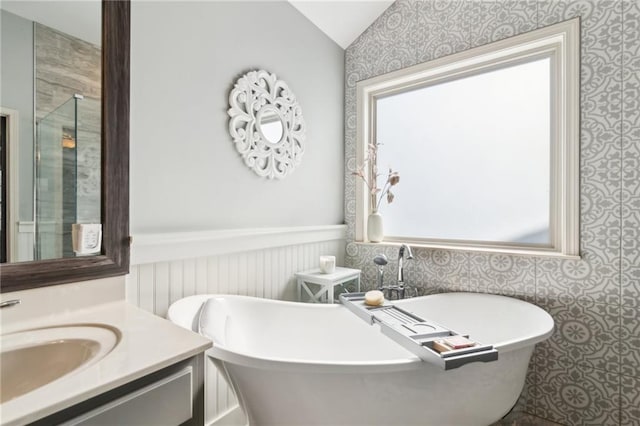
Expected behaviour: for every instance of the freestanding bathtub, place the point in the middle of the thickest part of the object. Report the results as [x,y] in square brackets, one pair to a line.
[311,364]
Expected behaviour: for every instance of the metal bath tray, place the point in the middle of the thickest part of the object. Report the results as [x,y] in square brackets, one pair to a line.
[417,334]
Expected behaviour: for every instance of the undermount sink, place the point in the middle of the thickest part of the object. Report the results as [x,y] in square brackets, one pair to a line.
[31,359]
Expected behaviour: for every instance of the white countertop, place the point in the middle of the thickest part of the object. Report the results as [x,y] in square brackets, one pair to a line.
[148,343]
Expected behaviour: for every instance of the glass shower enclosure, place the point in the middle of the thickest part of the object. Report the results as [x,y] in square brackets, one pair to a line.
[67,175]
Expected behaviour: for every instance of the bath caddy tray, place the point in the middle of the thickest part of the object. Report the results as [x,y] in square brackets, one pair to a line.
[417,335]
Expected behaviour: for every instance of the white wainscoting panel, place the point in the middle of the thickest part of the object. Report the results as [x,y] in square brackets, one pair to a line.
[249,266]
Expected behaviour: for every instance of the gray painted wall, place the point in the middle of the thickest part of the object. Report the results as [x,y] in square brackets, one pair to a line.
[588,372]
[16,92]
[185,171]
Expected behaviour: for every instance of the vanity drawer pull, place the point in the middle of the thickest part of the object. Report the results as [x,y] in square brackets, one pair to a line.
[9,303]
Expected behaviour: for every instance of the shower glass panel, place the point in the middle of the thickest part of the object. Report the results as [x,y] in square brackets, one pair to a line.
[67,175]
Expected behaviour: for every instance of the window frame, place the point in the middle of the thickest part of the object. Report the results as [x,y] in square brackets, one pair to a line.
[561,43]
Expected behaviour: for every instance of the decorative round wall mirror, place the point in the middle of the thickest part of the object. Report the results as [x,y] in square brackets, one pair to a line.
[266,124]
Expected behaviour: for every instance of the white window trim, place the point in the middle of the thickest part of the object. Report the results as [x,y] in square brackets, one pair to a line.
[560,42]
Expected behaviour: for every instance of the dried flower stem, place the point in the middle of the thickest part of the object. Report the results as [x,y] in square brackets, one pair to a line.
[376,194]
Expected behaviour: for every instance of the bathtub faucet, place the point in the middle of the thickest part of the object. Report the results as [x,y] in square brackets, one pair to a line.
[401,275]
[400,289]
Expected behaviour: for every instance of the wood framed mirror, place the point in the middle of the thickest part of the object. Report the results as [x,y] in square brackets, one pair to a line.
[114,258]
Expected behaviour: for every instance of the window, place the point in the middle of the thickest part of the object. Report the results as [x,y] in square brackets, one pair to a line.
[486,143]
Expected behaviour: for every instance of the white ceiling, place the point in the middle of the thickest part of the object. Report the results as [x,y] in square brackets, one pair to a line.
[342,20]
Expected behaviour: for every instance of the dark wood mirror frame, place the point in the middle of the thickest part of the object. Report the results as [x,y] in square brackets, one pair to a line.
[114,259]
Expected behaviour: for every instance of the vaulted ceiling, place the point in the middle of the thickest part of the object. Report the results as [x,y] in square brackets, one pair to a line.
[342,20]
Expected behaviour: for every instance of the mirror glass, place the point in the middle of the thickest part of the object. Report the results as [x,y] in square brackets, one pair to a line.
[271,126]
[51,125]
[483,145]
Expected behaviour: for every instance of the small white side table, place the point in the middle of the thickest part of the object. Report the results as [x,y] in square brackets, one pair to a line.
[326,282]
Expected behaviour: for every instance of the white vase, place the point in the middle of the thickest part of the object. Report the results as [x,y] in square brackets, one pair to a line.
[375,232]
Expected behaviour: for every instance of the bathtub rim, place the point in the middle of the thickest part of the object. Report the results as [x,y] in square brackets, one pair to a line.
[196,302]
[304,366]
[521,341]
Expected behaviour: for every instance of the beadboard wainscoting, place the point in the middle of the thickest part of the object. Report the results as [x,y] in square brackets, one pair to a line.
[252,262]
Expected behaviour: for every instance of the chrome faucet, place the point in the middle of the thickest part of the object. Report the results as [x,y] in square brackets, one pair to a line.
[398,289]
[401,275]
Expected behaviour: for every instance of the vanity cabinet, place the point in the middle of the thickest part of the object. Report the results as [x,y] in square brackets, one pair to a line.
[172,396]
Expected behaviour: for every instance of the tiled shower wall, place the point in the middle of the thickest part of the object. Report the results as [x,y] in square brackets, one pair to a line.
[588,372]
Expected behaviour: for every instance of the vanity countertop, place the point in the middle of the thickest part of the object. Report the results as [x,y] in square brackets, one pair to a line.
[147,343]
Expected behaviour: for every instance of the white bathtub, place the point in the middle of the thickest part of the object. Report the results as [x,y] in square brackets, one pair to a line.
[311,364]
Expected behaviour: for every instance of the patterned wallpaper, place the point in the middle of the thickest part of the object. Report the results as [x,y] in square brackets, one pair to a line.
[588,372]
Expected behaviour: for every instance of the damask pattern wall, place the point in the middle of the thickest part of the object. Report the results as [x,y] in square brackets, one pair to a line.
[588,372]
